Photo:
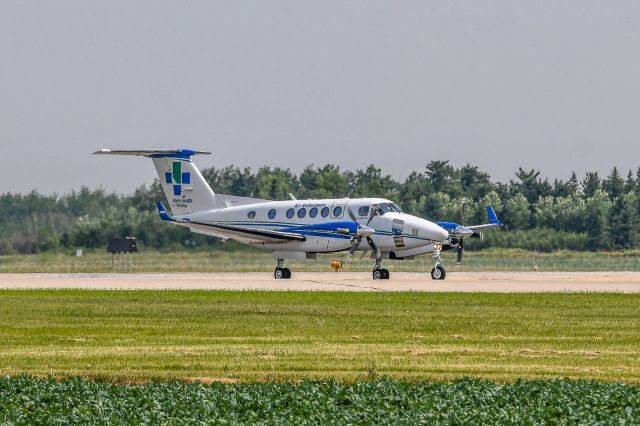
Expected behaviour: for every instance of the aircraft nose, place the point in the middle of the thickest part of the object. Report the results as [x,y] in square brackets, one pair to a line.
[433,231]
[426,229]
[440,233]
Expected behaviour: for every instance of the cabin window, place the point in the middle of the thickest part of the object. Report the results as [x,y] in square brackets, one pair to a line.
[251,214]
[337,211]
[290,213]
[363,211]
[324,212]
[272,213]
[302,213]
[313,212]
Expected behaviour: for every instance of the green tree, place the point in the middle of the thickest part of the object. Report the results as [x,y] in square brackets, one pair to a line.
[623,221]
[613,184]
[596,217]
[475,183]
[441,176]
[590,184]
[517,213]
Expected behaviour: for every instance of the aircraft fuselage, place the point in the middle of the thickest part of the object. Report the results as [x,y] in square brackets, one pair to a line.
[324,224]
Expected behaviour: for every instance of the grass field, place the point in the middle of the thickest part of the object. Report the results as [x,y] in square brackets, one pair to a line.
[255,261]
[137,336]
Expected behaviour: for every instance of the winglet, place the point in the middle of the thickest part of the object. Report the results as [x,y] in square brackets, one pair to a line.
[493,219]
[163,213]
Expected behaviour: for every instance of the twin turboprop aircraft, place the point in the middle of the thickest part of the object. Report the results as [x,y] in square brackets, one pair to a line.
[293,229]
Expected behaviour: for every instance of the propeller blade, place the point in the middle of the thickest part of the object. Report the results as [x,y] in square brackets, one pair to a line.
[352,216]
[374,211]
[354,246]
[460,250]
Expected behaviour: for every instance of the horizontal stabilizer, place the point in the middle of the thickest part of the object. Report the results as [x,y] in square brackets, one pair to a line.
[153,153]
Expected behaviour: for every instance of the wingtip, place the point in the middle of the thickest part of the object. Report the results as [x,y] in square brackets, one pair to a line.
[493,218]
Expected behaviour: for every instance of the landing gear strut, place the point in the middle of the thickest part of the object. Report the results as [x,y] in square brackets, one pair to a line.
[281,272]
[379,273]
[438,272]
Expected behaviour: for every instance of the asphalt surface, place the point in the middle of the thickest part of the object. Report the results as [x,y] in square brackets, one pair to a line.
[501,282]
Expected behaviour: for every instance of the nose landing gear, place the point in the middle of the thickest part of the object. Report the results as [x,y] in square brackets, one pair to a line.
[281,272]
[379,273]
[438,272]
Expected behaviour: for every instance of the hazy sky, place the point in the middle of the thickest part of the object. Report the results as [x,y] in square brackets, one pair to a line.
[551,85]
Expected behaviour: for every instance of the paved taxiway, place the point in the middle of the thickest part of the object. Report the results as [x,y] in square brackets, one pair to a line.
[624,282]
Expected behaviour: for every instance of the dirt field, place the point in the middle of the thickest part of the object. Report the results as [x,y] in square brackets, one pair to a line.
[624,282]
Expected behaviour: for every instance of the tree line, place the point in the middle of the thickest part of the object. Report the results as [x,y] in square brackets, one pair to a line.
[591,213]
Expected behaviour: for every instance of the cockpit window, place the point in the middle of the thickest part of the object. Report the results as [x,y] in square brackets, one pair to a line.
[395,207]
[387,207]
[363,211]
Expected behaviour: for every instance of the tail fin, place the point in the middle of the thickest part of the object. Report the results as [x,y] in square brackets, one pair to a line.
[493,219]
[186,189]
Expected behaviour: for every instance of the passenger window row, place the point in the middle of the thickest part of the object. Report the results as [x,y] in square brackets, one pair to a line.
[302,212]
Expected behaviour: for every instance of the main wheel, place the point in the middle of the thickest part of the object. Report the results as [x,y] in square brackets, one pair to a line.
[377,274]
[385,274]
[287,273]
[279,273]
[438,273]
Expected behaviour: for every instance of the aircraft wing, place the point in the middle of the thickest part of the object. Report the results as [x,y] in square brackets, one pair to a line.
[494,222]
[243,233]
[485,226]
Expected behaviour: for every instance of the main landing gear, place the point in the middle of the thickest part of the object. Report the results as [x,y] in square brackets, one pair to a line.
[438,272]
[281,272]
[379,273]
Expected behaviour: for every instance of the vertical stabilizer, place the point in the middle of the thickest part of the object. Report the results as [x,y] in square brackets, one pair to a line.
[184,186]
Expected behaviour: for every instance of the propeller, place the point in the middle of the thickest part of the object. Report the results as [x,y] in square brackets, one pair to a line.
[361,231]
[460,250]
[375,249]
[460,246]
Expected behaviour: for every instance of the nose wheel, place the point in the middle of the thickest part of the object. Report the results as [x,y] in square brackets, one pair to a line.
[379,273]
[438,272]
[281,272]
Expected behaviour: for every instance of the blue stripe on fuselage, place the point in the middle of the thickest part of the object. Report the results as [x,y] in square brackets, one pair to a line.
[325,229]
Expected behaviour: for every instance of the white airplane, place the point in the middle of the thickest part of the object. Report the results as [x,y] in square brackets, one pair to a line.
[291,229]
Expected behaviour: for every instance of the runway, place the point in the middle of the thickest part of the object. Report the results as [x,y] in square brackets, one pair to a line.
[499,282]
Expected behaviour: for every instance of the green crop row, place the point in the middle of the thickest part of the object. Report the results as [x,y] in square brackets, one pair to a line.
[380,401]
